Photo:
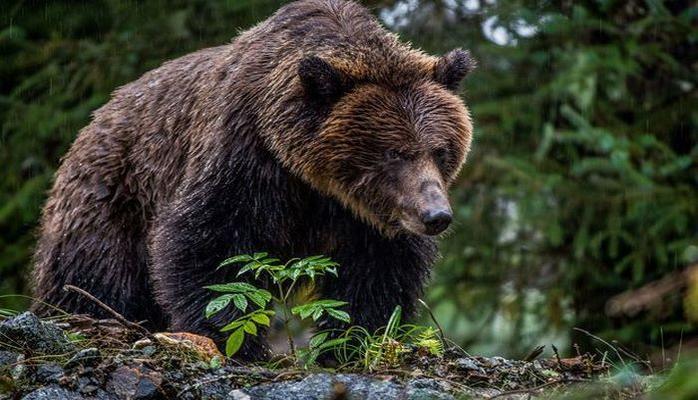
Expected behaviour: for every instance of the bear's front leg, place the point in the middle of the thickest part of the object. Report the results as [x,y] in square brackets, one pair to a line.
[189,241]
[376,274]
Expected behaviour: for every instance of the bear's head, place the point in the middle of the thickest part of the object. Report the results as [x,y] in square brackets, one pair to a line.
[391,136]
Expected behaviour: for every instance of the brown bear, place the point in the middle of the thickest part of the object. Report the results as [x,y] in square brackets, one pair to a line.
[315,132]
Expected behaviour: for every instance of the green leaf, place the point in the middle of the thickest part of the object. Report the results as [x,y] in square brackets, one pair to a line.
[257,298]
[295,274]
[332,343]
[234,342]
[317,314]
[247,267]
[240,302]
[304,310]
[250,328]
[245,286]
[328,303]
[261,319]
[233,325]
[236,259]
[339,314]
[266,295]
[233,287]
[317,340]
[217,304]
[257,256]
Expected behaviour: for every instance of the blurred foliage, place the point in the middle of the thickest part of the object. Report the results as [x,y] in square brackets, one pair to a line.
[680,383]
[584,180]
[582,183]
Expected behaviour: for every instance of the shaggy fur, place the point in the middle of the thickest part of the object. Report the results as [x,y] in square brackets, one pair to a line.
[311,133]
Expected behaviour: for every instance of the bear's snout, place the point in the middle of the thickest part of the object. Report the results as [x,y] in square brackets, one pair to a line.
[427,210]
[434,211]
[436,220]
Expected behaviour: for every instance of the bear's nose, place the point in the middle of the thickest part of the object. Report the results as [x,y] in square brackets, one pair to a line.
[436,220]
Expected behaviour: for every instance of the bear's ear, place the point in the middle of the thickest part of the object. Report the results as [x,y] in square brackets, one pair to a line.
[453,67]
[321,81]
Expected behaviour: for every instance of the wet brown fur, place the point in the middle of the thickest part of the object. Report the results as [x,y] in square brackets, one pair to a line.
[227,151]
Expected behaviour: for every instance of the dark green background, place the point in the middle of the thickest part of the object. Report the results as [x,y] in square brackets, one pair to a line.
[582,184]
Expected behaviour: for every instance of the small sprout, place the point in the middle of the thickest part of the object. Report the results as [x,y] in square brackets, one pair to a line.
[216,362]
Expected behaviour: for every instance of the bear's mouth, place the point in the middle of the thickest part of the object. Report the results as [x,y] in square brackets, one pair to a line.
[411,222]
[412,225]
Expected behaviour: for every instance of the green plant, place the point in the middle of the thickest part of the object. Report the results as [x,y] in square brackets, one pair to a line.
[285,278]
[6,313]
[386,347]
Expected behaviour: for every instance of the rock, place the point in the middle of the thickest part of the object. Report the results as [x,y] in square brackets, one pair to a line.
[494,362]
[326,386]
[35,336]
[201,347]
[8,359]
[52,392]
[48,373]
[11,364]
[18,371]
[239,395]
[87,388]
[85,357]
[149,351]
[146,389]
[469,364]
[135,383]
[139,344]
[428,389]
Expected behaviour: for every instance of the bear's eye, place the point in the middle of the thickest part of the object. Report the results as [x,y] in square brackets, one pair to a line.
[393,155]
[441,157]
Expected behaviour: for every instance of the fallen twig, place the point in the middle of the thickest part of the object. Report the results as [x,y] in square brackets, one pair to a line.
[108,309]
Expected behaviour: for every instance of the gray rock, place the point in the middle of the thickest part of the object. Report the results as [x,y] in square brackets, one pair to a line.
[325,386]
[52,392]
[428,389]
[135,383]
[48,373]
[19,370]
[8,359]
[35,336]
[146,390]
[11,364]
[239,395]
[87,388]
[149,350]
[469,364]
[494,362]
